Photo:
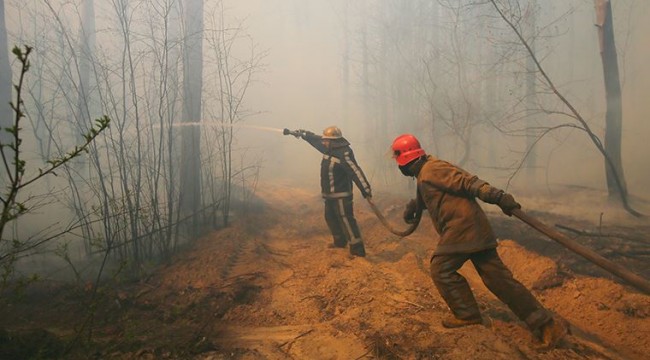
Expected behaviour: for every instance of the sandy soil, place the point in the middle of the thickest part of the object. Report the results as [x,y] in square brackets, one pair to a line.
[268,287]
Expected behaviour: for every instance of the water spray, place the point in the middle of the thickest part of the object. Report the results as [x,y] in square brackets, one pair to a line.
[221,124]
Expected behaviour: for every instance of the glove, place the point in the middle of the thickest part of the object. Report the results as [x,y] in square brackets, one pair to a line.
[304,133]
[410,211]
[507,203]
[492,195]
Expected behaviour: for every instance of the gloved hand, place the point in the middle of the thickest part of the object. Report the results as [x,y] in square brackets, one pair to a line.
[410,212]
[507,203]
[492,195]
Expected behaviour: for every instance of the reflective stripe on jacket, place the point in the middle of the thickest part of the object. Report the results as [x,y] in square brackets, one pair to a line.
[339,168]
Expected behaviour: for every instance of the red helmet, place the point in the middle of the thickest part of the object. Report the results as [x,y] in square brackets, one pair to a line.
[406,148]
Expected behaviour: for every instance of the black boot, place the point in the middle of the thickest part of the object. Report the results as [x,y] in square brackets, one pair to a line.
[552,333]
[451,322]
[357,249]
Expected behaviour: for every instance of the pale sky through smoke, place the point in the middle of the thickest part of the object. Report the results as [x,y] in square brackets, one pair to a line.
[302,87]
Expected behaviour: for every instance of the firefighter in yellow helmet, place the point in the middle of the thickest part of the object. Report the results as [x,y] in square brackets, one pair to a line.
[338,170]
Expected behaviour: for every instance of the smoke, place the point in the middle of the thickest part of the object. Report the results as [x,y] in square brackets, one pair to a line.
[304,88]
[359,66]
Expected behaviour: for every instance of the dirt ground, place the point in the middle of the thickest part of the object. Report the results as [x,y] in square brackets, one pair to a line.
[268,287]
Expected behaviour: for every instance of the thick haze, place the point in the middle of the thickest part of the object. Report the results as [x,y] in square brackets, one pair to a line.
[455,76]
[301,83]
[302,87]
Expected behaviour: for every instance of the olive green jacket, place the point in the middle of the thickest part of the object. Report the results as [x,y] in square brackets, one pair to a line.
[449,194]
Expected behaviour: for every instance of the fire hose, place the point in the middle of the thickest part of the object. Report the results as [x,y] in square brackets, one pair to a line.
[409,230]
[632,278]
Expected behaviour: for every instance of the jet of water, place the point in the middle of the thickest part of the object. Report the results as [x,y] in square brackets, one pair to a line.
[220,124]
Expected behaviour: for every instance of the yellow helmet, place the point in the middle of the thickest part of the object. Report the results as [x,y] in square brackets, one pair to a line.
[332,133]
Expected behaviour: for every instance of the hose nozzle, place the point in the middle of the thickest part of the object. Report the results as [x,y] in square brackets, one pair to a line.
[295,133]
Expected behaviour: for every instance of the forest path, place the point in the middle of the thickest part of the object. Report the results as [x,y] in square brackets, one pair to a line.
[285,294]
[269,287]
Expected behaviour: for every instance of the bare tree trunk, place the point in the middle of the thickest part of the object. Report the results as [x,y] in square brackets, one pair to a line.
[614,115]
[87,39]
[384,88]
[365,82]
[531,91]
[346,62]
[490,91]
[573,112]
[190,194]
[6,115]
[87,48]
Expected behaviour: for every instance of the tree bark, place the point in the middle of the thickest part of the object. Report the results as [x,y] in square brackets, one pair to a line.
[190,192]
[531,91]
[6,115]
[346,62]
[614,114]
[87,46]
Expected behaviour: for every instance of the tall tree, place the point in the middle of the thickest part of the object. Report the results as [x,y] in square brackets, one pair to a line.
[87,46]
[614,114]
[190,192]
[531,91]
[5,77]
[346,61]
[572,112]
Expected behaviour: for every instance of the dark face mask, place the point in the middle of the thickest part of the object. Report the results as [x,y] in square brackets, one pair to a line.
[405,170]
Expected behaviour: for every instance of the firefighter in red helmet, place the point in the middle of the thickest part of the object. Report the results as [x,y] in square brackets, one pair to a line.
[339,169]
[449,194]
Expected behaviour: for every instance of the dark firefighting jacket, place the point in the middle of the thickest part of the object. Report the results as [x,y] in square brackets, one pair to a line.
[338,168]
[449,194]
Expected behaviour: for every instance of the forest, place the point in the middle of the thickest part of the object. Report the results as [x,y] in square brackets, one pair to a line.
[152,208]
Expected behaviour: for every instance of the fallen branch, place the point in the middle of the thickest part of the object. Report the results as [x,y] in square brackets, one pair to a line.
[592,234]
[364,355]
[632,278]
[312,297]
[145,290]
[290,342]
[237,279]
[410,303]
[272,251]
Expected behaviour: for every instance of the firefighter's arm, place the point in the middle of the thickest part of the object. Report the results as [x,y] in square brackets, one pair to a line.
[449,178]
[359,178]
[313,139]
[493,195]
[413,208]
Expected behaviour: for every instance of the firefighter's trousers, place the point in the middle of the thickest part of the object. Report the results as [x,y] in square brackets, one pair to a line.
[456,292]
[339,215]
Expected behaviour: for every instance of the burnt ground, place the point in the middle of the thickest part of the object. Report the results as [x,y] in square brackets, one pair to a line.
[268,287]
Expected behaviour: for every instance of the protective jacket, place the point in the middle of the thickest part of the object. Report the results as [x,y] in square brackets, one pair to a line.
[449,194]
[338,168]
